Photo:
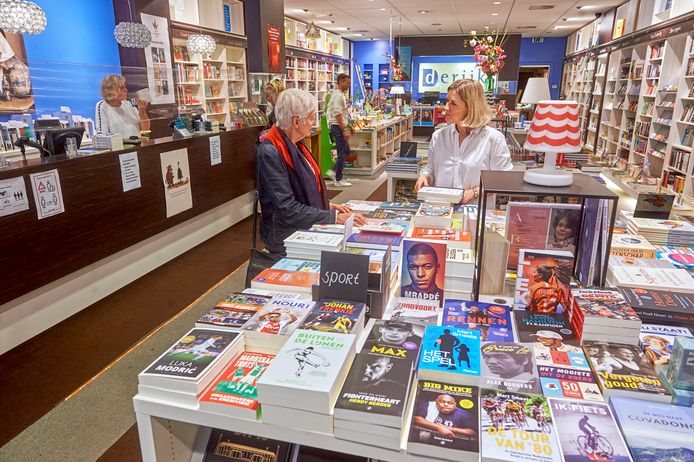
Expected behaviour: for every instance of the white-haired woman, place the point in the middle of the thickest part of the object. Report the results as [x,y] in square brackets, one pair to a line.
[460,151]
[290,186]
[117,114]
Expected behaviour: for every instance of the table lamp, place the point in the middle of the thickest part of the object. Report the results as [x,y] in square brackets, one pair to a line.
[397,90]
[536,90]
[555,128]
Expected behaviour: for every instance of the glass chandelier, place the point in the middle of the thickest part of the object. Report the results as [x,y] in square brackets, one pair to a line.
[132,35]
[21,17]
[201,43]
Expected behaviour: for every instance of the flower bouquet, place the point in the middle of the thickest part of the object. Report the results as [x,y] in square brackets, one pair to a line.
[489,54]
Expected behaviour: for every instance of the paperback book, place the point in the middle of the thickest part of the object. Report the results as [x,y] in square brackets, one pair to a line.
[543,281]
[225,446]
[453,237]
[374,241]
[445,422]
[515,427]
[283,280]
[552,331]
[566,375]
[272,324]
[433,216]
[335,316]
[414,310]
[623,370]
[680,371]
[234,392]
[423,270]
[450,354]
[444,195]
[661,306]
[233,311]
[293,264]
[509,367]
[597,312]
[491,320]
[243,301]
[630,245]
[655,432]
[587,432]
[393,338]
[674,279]
[657,341]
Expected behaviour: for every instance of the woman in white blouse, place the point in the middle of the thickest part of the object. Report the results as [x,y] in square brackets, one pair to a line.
[458,152]
[117,114]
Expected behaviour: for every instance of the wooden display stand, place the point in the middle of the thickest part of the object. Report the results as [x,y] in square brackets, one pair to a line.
[375,146]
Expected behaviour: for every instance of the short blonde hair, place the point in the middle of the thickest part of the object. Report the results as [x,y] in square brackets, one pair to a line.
[294,103]
[275,85]
[472,94]
[110,86]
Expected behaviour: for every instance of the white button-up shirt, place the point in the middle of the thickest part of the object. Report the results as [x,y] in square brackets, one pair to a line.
[453,164]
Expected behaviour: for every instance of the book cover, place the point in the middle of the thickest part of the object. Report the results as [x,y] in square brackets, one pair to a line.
[293,264]
[620,367]
[676,279]
[429,210]
[423,270]
[491,320]
[376,385]
[531,225]
[192,355]
[227,317]
[333,316]
[680,371]
[277,278]
[657,342]
[630,245]
[243,301]
[655,432]
[226,446]
[452,236]
[446,192]
[594,305]
[445,416]
[509,367]
[565,382]
[552,331]
[393,338]
[313,239]
[587,432]
[236,385]
[279,317]
[545,356]
[450,349]
[309,361]
[373,240]
[661,306]
[416,311]
[517,426]
[543,281]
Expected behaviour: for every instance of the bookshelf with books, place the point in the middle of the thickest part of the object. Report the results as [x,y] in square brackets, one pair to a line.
[374,145]
[595,114]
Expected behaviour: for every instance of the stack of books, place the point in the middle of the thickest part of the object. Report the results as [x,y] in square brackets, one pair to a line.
[565,374]
[630,245]
[497,373]
[658,274]
[374,241]
[493,321]
[460,271]
[299,388]
[663,232]
[280,280]
[404,165]
[185,370]
[308,245]
[441,195]
[233,311]
[270,327]
[414,310]
[661,306]
[436,216]
[450,355]
[597,314]
[679,376]
[336,316]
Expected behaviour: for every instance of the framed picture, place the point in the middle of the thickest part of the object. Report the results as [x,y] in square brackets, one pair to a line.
[15,82]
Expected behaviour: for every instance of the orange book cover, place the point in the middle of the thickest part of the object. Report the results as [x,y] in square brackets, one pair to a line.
[442,234]
[287,278]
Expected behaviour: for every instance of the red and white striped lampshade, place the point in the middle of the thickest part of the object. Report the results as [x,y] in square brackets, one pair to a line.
[555,127]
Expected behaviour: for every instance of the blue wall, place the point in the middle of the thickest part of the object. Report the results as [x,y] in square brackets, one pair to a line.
[368,52]
[69,59]
[548,53]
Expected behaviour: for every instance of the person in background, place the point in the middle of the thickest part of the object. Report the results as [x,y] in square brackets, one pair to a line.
[340,129]
[460,151]
[291,190]
[272,90]
[117,114]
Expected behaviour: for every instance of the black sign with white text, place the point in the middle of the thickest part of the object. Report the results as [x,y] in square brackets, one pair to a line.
[344,276]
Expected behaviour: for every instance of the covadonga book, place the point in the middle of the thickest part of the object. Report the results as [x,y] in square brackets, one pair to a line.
[450,354]
[587,431]
[516,427]
[509,367]
[491,320]
[393,338]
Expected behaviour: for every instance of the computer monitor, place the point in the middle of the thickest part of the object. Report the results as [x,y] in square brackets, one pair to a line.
[55,140]
[41,125]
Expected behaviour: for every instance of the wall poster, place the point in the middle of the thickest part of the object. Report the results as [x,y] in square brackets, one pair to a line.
[15,82]
[175,174]
[158,58]
[273,49]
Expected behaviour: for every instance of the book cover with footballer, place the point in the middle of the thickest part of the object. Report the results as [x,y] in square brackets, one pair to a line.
[243,301]
[516,426]
[279,317]
[543,282]
[232,318]
[451,350]
[509,367]
[334,316]
[423,270]
[655,432]
[192,355]
[552,331]
[491,320]
[393,338]
[587,432]
[445,416]
[600,305]
[236,385]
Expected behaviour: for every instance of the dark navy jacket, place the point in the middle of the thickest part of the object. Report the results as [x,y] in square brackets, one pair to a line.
[289,198]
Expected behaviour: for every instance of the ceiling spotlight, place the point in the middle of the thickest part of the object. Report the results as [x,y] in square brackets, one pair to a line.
[382,9]
[496,3]
[563,27]
[495,14]
[587,7]
[425,11]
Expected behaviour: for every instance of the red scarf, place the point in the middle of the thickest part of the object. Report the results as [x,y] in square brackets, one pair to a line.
[275,137]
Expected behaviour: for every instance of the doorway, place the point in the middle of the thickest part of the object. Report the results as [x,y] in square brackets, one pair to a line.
[526,72]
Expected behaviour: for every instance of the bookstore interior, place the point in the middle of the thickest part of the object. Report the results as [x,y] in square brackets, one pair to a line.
[504,273]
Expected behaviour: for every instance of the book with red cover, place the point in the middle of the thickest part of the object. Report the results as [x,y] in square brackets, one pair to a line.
[543,282]
[281,280]
[451,236]
[234,391]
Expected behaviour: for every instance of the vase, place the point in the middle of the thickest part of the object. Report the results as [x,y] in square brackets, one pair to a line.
[489,83]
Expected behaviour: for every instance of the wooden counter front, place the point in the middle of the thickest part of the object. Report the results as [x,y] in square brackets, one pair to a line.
[100,219]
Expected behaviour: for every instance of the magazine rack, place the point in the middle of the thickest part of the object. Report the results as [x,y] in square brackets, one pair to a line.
[512,184]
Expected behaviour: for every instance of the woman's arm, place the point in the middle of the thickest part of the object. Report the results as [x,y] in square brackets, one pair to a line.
[101,122]
[499,156]
[142,113]
[427,177]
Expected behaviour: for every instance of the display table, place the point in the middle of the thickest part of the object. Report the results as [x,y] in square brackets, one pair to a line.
[375,145]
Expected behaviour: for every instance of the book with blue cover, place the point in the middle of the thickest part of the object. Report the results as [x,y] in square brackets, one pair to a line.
[655,432]
[450,354]
[491,320]
[373,241]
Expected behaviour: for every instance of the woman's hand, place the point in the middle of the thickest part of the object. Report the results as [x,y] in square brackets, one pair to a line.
[141,105]
[341,208]
[359,219]
[468,196]
[422,182]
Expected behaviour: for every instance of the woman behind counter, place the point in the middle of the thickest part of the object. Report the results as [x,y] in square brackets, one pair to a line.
[117,114]
[290,186]
[460,151]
